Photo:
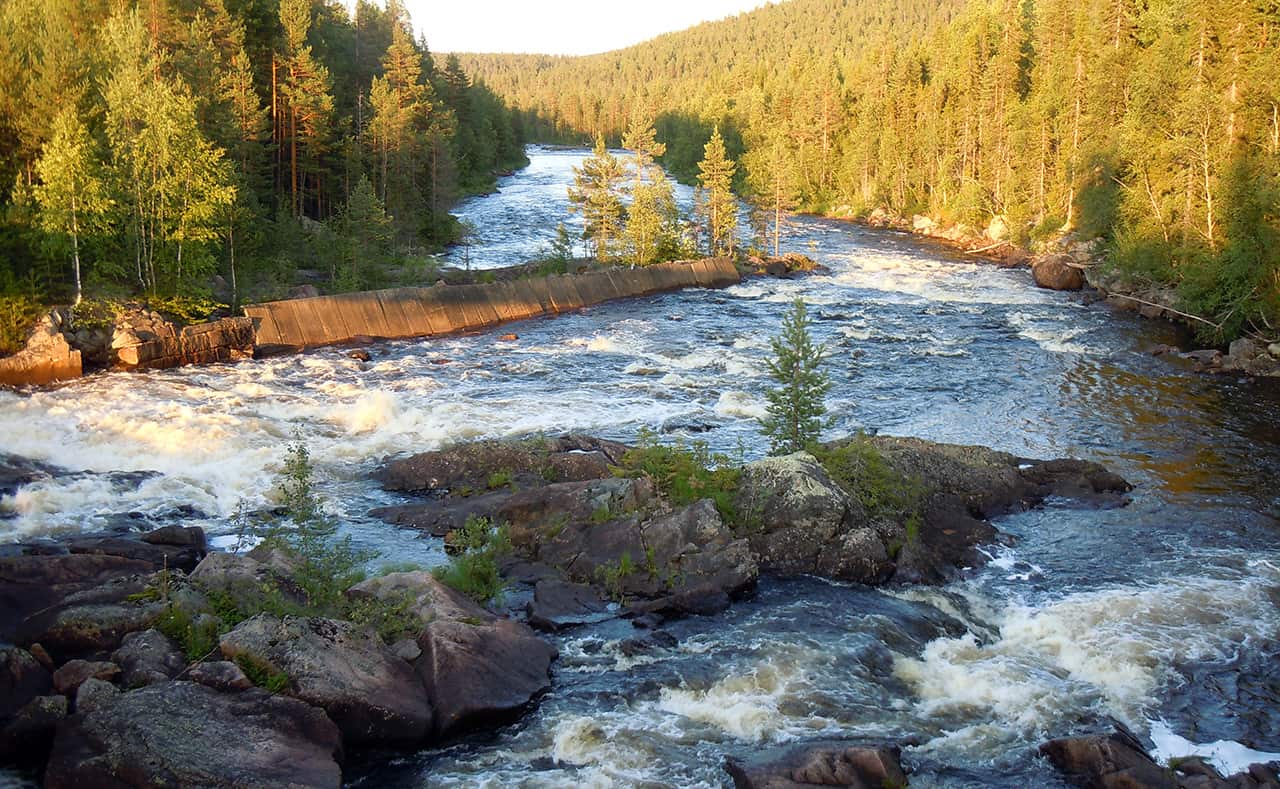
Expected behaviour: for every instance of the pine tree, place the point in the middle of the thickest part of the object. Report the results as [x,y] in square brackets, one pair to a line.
[715,173]
[71,193]
[796,406]
[597,194]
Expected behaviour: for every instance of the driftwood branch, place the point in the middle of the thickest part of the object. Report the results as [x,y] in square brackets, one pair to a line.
[996,245]
[1167,308]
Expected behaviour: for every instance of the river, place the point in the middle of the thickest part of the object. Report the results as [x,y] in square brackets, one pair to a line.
[1162,614]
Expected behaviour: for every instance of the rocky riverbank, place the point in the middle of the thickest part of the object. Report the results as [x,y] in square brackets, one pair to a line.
[1068,263]
[137,659]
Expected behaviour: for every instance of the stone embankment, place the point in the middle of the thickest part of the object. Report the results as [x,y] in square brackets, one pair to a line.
[140,339]
[283,326]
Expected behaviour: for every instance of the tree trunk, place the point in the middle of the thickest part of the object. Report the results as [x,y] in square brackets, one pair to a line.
[75,246]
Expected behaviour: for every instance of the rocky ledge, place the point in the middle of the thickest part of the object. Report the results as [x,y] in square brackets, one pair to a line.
[592,521]
[130,663]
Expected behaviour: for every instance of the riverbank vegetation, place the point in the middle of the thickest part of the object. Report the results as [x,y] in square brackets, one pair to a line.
[1155,125]
[629,207]
[230,150]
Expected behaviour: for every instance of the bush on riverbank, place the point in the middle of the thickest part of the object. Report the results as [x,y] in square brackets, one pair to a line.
[862,471]
[473,568]
[685,473]
[306,572]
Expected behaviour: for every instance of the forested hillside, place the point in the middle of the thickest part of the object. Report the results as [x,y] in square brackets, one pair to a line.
[147,146]
[1152,123]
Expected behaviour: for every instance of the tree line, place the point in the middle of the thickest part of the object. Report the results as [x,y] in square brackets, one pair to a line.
[1153,124]
[216,147]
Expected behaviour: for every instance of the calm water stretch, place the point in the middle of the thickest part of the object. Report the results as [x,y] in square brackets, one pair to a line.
[1163,614]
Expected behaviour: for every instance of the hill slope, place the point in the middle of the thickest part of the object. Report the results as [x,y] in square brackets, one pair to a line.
[1153,123]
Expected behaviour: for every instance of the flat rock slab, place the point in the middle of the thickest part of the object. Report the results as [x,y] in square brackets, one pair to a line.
[188,735]
[559,604]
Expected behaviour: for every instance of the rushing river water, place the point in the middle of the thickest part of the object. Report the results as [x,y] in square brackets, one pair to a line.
[1163,614]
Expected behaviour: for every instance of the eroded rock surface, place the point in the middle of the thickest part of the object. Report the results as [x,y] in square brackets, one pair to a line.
[184,734]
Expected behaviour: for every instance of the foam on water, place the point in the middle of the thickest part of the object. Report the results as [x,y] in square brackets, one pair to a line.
[1110,651]
[1228,756]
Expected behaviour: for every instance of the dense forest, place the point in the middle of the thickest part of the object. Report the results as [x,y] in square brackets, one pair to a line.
[203,148]
[1154,124]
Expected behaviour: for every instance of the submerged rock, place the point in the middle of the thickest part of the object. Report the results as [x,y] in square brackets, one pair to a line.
[558,604]
[821,764]
[184,734]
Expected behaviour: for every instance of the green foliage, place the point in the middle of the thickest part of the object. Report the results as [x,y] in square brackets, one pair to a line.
[796,405]
[138,155]
[715,174]
[597,194]
[613,576]
[601,514]
[18,315]
[325,567]
[1121,120]
[858,467]
[392,620]
[684,473]
[473,570]
[186,310]
[262,674]
[196,636]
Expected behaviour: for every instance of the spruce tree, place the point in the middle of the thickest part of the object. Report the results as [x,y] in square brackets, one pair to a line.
[715,173]
[796,406]
[597,194]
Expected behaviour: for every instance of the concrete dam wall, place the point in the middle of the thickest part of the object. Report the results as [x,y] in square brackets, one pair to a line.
[445,309]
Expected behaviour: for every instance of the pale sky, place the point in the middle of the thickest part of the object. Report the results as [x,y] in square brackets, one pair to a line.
[566,27]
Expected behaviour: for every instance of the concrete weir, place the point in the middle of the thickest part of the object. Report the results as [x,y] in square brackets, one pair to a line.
[281,326]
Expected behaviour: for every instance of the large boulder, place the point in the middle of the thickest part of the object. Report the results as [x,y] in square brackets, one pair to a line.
[821,764]
[1118,761]
[371,694]
[793,511]
[664,558]
[184,734]
[25,739]
[22,678]
[477,672]
[1108,761]
[898,508]
[80,597]
[1057,272]
[476,667]
[148,657]
[47,357]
